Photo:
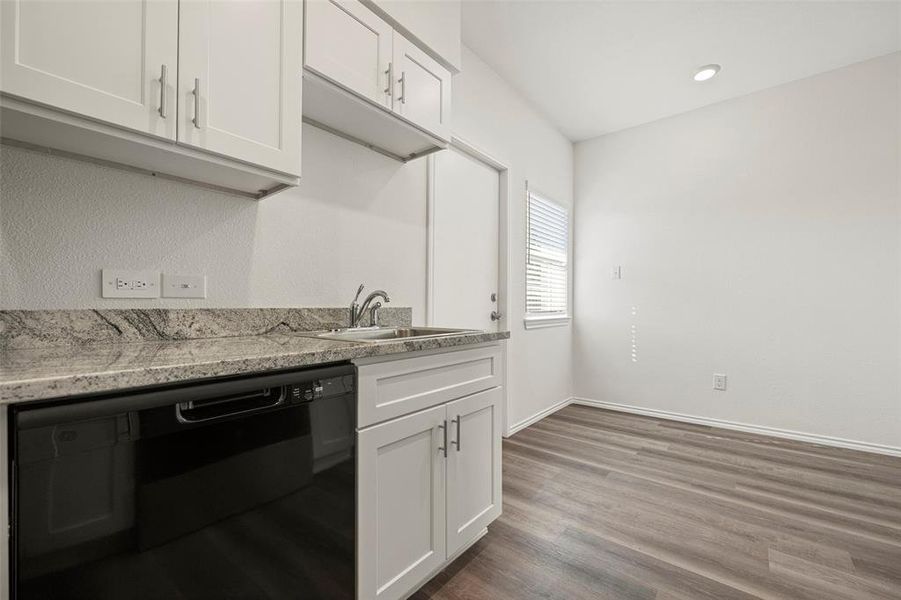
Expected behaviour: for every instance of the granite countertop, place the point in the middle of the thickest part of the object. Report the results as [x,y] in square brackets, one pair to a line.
[28,374]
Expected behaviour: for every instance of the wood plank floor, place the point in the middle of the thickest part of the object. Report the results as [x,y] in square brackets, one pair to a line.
[604,505]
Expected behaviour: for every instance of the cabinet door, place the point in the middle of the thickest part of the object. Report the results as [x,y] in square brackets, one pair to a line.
[400,504]
[348,44]
[239,77]
[473,466]
[110,61]
[422,88]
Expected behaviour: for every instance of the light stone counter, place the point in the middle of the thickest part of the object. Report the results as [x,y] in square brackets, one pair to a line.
[36,373]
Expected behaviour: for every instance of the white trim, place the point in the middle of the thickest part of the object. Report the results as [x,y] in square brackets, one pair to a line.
[812,438]
[537,416]
[535,321]
[431,178]
[474,151]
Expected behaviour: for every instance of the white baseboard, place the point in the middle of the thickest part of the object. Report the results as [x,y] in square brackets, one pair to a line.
[537,416]
[813,438]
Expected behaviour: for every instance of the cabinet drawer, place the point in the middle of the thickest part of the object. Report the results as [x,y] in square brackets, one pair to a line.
[398,387]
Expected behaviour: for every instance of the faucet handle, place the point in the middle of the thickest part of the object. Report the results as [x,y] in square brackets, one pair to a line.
[359,291]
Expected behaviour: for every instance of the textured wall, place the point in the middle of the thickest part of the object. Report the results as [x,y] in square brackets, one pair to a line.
[759,238]
[357,217]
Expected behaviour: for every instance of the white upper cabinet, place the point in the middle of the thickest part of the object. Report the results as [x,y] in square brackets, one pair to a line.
[366,81]
[114,62]
[202,90]
[435,24]
[422,88]
[239,80]
[351,46]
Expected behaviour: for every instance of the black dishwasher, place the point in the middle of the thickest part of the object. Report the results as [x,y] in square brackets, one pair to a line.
[236,489]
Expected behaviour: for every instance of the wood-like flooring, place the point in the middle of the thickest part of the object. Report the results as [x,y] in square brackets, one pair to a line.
[610,506]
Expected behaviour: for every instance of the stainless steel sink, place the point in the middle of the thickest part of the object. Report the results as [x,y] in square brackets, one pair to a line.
[388,334]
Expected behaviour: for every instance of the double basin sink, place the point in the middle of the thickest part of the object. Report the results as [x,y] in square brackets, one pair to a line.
[373,335]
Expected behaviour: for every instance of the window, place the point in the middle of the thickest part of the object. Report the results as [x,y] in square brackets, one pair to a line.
[547,262]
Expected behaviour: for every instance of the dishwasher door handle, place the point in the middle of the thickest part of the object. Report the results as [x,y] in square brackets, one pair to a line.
[224,408]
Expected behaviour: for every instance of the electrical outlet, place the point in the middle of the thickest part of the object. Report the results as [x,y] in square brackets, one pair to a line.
[184,286]
[719,382]
[616,272]
[116,283]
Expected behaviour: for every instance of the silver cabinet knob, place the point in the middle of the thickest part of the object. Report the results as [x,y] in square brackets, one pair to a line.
[496,316]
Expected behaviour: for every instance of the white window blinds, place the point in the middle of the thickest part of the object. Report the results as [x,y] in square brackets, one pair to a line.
[547,257]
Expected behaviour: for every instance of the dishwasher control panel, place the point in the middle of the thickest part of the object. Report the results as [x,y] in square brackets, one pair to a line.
[321,388]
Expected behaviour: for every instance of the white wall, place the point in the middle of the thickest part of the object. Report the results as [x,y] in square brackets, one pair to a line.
[759,238]
[357,217]
[491,116]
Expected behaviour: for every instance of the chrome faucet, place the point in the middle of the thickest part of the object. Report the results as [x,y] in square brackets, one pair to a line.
[358,310]
[374,314]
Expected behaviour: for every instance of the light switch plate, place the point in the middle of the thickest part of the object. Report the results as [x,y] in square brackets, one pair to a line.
[119,283]
[719,382]
[184,286]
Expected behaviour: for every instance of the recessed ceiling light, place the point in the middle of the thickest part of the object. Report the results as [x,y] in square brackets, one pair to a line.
[706,72]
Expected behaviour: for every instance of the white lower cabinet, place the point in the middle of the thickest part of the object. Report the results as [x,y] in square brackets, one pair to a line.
[428,483]
[400,504]
[473,466]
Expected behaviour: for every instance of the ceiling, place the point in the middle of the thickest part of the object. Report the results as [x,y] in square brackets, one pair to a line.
[597,67]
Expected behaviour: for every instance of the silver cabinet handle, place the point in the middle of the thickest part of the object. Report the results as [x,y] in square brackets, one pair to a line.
[164,82]
[196,93]
[444,430]
[390,74]
[457,443]
[403,87]
[496,316]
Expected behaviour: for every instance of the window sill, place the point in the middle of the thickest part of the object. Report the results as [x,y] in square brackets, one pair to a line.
[537,322]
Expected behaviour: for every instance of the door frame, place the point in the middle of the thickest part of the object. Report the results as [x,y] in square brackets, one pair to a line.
[503,251]
[503,172]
